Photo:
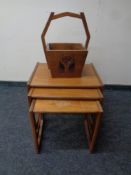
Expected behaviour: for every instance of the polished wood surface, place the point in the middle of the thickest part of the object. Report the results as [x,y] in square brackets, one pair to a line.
[65,106]
[42,78]
[55,93]
[65,95]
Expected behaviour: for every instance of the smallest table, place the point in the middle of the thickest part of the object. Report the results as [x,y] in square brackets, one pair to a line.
[65,95]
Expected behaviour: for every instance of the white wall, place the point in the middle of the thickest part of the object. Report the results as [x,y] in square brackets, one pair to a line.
[22,22]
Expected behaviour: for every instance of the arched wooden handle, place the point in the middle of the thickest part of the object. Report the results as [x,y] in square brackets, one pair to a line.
[54,16]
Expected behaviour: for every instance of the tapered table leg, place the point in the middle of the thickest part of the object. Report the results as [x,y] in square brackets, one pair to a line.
[95,132]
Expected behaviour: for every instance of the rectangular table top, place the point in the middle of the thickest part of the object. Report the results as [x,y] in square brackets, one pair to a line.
[65,106]
[60,93]
[41,77]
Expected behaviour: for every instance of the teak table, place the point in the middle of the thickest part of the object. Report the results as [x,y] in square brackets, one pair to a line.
[65,95]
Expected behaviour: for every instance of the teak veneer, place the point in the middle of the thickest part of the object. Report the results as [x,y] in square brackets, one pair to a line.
[39,107]
[41,77]
[55,93]
[65,95]
[65,106]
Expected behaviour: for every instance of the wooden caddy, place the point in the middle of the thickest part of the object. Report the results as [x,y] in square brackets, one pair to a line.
[65,95]
[66,59]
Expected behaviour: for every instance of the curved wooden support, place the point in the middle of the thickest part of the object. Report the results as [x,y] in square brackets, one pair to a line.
[54,16]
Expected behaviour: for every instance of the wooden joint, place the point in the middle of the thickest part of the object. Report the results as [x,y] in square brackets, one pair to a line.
[64,14]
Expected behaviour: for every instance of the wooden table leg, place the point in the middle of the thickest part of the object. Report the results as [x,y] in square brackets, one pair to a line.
[40,128]
[37,129]
[34,133]
[86,124]
[89,124]
[95,133]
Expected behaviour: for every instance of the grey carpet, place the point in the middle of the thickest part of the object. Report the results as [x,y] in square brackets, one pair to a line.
[64,147]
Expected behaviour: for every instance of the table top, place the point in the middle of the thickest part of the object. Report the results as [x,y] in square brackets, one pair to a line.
[41,77]
[65,106]
[62,93]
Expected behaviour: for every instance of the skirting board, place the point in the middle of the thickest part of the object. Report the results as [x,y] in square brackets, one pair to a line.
[106,86]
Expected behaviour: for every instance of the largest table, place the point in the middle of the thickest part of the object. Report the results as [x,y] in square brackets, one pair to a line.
[67,95]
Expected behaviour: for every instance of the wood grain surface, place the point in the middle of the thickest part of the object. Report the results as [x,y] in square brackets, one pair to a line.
[65,106]
[42,78]
[55,93]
